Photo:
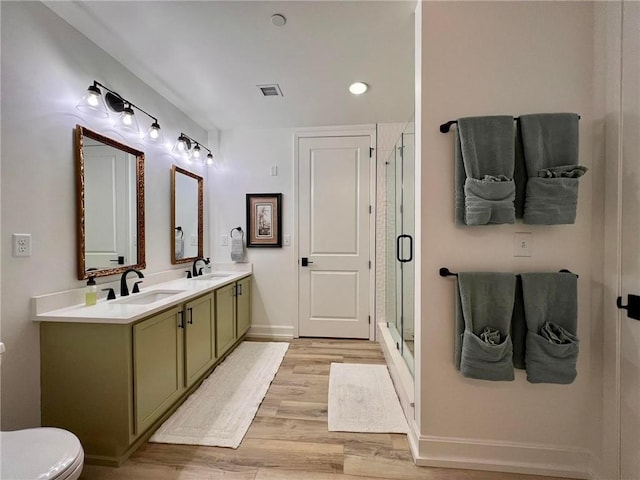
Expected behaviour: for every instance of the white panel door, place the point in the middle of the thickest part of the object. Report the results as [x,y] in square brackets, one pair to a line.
[334,236]
[630,328]
[107,176]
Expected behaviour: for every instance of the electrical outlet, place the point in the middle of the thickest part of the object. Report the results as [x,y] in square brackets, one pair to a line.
[194,240]
[274,170]
[21,244]
[224,240]
[522,244]
[287,240]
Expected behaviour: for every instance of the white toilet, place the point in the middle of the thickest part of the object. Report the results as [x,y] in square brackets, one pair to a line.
[40,453]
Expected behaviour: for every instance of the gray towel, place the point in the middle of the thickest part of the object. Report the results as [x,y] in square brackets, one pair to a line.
[484,306]
[518,328]
[237,245]
[551,314]
[484,167]
[550,150]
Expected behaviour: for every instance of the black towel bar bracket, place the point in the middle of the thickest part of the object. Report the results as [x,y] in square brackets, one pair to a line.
[445,127]
[445,272]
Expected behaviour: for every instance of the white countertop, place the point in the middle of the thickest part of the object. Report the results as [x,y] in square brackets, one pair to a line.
[113,311]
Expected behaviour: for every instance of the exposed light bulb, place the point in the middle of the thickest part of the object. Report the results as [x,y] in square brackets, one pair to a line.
[196,151]
[154,131]
[182,144]
[210,159]
[93,103]
[127,116]
[93,99]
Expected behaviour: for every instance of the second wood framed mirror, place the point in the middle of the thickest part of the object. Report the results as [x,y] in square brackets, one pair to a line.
[186,215]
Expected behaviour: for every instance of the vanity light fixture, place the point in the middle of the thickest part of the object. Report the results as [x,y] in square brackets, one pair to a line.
[189,149]
[358,88]
[95,104]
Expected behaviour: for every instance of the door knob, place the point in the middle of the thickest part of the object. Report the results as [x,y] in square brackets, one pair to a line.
[305,262]
[632,307]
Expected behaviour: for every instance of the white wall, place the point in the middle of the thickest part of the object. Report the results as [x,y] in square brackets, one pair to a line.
[244,166]
[484,58]
[46,67]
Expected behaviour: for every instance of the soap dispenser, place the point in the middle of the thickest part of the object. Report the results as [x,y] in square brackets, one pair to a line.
[91,293]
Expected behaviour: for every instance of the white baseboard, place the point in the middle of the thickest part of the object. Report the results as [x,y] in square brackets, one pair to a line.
[512,457]
[274,332]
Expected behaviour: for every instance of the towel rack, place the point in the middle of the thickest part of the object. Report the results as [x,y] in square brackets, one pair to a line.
[445,127]
[445,272]
[234,229]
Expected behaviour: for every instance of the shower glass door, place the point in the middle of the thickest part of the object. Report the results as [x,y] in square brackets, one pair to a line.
[400,267]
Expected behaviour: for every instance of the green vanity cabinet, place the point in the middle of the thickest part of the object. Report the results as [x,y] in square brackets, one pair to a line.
[86,385]
[158,356]
[243,302]
[200,338]
[233,313]
[225,318]
[112,383]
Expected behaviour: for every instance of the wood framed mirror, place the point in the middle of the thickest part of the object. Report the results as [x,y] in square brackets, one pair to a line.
[186,215]
[110,205]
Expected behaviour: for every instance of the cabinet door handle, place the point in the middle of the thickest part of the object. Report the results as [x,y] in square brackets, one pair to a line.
[239,289]
[181,323]
[190,316]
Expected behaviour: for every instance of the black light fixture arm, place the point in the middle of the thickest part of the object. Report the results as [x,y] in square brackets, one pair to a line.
[194,141]
[124,100]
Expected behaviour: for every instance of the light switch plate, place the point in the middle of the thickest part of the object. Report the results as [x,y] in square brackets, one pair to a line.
[224,240]
[287,239]
[522,244]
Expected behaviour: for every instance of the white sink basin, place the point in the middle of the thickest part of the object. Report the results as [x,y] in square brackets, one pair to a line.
[212,276]
[148,297]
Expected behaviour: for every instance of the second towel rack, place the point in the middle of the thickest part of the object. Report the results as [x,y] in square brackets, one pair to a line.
[445,272]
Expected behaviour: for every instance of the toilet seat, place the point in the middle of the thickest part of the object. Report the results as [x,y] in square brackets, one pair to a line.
[40,454]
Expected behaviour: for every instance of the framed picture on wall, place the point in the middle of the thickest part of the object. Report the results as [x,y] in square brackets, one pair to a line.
[264,225]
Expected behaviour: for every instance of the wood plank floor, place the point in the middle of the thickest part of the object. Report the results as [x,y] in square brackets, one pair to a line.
[289,439]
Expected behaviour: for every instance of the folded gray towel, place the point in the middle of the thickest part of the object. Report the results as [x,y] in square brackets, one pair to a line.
[484,306]
[484,167]
[550,150]
[489,201]
[551,313]
[551,201]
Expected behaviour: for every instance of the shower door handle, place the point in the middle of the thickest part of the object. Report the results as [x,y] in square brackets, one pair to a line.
[398,243]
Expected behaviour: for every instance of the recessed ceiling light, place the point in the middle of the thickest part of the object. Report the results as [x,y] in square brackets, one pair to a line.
[278,20]
[358,88]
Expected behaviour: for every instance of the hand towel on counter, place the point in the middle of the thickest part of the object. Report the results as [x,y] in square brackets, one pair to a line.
[484,164]
[550,149]
[551,314]
[484,306]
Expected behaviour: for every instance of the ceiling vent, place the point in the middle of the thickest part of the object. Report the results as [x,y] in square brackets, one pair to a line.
[270,90]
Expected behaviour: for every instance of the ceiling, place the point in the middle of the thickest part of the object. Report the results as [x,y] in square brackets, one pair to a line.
[206,57]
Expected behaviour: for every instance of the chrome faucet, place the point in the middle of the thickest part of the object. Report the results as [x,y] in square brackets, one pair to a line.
[124,290]
[195,271]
